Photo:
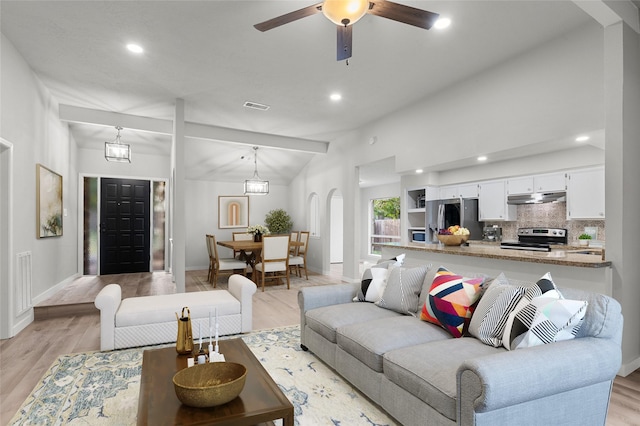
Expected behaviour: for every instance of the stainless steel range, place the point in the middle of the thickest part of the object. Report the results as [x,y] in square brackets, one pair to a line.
[537,239]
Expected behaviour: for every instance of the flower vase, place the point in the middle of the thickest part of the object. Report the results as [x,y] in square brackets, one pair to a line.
[257,238]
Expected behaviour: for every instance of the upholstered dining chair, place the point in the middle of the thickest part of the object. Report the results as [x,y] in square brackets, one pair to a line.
[275,259]
[240,236]
[217,265]
[300,260]
[295,237]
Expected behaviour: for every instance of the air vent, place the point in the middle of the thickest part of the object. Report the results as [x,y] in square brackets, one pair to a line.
[256,105]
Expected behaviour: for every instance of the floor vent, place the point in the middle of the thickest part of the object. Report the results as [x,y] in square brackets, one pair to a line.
[256,105]
[23,282]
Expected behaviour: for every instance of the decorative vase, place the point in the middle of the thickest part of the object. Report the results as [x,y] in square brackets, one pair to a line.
[257,237]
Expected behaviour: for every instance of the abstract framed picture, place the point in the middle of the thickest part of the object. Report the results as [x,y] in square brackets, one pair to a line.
[48,202]
[233,211]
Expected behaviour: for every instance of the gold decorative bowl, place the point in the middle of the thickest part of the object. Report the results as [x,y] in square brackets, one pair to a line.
[453,240]
[210,384]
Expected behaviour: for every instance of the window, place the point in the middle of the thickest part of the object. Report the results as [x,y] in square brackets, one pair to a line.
[385,223]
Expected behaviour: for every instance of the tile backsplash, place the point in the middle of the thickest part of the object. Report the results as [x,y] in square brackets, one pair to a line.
[548,215]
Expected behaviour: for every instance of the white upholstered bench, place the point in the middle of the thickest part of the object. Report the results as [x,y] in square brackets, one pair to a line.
[150,320]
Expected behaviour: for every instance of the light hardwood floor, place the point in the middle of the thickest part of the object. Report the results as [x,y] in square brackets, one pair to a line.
[25,358]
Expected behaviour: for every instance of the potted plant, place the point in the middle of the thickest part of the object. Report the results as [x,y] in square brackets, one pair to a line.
[258,231]
[279,221]
[583,239]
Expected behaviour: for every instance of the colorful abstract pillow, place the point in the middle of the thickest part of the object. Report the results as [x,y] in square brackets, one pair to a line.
[451,301]
[402,291]
[490,316]
[546,320]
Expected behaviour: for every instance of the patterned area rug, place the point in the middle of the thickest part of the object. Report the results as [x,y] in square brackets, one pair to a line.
[96,388]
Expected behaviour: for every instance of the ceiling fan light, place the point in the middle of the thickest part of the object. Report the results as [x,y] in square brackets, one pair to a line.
[344,12]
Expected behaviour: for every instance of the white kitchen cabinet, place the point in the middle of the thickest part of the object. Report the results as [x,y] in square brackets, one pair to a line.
[551,182]
[585,194]
[468,190]
[449,191]
[432,193]
[520,185]
[492,202]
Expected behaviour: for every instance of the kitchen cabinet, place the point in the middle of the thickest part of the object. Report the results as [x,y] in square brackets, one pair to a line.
[414,198]
[467,190]
[585,194]
[492,202]
[550,182]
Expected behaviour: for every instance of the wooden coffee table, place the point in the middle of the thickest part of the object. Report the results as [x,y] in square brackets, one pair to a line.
[260,400]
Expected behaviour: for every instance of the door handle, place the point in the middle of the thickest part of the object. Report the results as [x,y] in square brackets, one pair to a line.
[103,227]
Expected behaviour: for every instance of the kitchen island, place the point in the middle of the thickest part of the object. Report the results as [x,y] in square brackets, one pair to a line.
[567,266]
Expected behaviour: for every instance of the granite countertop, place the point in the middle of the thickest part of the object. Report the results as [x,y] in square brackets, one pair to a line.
[559,255]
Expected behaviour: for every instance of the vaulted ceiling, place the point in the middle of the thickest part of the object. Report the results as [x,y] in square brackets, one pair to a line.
[209,54]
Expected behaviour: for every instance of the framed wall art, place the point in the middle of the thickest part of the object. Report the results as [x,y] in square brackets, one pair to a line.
[233,211]
[48,202]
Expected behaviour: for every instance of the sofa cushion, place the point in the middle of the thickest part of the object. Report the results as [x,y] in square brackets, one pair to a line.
[402,289]
[327,319]
[545,320]
[490,316]
[451,301]
[372,284]
[428,371]
[369,341]
[162,308]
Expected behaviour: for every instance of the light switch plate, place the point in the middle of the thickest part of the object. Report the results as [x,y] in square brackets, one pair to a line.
[591,230]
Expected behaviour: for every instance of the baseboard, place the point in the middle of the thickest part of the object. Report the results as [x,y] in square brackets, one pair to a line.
[21,324]
[629,367]
[53,290]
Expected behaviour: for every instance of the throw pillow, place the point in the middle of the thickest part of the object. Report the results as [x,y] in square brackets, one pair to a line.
[544,286]
[372,284]
[490,316]
[451,301]
[403,289]
[546,320]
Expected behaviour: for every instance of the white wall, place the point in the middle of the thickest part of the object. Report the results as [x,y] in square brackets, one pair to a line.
[201,198]
[337,229]
[142,166]
[30,122]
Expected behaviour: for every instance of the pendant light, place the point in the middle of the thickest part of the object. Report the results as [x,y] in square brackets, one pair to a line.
[255,185]
[116,150]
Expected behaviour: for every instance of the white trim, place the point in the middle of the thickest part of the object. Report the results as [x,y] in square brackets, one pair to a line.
[53,290]
[6,233]
[629,367]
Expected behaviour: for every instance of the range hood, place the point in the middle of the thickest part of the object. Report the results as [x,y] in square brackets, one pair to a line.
[537,198]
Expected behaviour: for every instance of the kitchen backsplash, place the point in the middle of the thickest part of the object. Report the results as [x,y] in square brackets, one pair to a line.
[548,215]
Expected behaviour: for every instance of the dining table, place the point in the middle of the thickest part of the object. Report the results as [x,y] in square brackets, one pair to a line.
[250,250]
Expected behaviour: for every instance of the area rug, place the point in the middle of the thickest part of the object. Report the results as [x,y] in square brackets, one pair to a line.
[96,388]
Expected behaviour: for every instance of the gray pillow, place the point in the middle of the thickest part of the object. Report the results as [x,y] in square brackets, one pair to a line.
[403,289]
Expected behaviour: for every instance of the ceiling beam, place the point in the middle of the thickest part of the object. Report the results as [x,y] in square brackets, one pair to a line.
[74,114]
[608,12]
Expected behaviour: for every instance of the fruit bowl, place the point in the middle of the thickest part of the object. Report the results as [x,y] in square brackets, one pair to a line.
[210,384]
[453,240]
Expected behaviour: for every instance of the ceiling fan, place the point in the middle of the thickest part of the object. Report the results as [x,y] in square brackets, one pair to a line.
[345,13]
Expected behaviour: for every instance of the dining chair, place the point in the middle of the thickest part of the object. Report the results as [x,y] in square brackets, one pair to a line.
[217,265]
[295,237]
[241,236]
[301,258]
[275,259]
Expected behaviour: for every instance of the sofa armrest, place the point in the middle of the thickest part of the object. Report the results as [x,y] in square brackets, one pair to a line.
[243,289]
[502,380]
[326,295]
[108,301]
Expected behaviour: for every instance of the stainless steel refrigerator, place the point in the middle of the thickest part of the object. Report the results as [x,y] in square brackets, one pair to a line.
[456,211]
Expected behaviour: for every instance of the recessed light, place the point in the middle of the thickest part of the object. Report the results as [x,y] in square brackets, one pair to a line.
[335,97]
[482,158]
[442,23]
[418,171]
[582,138]
[135,48]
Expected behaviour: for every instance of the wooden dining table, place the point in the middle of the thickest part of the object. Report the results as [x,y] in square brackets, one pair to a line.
[250,250]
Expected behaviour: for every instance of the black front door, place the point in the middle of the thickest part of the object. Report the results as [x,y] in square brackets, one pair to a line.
[124,226]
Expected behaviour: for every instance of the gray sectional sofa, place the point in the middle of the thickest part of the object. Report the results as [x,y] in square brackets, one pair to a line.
[419,374]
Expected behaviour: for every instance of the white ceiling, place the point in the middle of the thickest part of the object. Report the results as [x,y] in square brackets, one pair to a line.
[209,54]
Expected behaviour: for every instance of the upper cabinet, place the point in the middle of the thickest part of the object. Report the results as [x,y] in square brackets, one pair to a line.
[492,202]
[416,198]
[585,194]
[467,190]
[551,182]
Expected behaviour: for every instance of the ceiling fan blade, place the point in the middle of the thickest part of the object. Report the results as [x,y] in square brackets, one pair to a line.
[344,42]
[401,13]
[289,17]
